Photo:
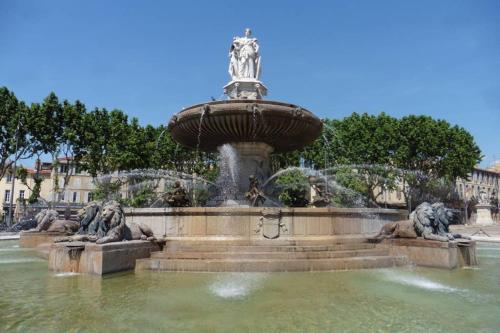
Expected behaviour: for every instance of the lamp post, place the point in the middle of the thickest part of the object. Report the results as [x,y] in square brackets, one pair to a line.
[12,197]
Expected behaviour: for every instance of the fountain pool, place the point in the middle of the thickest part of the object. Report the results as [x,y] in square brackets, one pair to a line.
[403,299]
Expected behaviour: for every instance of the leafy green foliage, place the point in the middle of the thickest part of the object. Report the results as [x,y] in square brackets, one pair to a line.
[106,190]
[353,182]
[432,149]
[22,175]
[294,188]
[143,197]
[368,152]
[14,131]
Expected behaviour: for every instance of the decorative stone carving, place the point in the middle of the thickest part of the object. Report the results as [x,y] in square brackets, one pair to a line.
[427,221]
[244,57]
[231,122]
[48,220]
[319,197]
[45,218]
[89,217]
[24,224]
[245,69]
[178,197]
[172,122]
[270,223]
[483,198]
[398,229]
[483,209]
[297,112]
[254,195]
[205,109]
[109,227]
[254,108]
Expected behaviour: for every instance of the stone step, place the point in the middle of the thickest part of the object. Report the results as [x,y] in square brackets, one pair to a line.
[266,248]
[280,241]
[269,255]
[269,265]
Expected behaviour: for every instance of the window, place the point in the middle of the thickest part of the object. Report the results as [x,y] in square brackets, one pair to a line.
[89,197]
[7,196]
[61,196]
[63,168]
[21,194]
[74,196]
[9,177]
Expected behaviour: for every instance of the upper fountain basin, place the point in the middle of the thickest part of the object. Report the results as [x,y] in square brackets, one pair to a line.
[283,126]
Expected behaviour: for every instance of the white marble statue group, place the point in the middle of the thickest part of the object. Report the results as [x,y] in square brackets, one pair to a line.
[244,58]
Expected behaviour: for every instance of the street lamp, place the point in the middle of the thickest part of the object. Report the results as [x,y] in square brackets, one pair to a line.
[12,197]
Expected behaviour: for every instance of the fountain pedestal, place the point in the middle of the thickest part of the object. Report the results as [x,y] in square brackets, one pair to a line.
[253,160]
[429,253]
[98,259]
[484,214]
[245,88]
[238,162]
[32,239]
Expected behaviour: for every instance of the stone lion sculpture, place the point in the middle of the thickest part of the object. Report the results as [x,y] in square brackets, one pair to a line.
[48,220]
[89,217]
[427,221]
[109,227]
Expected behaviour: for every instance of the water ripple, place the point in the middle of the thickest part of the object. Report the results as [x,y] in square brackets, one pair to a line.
[236,285]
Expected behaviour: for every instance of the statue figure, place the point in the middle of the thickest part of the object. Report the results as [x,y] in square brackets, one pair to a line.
[244,57]
[483,198]
[427,221]
[24,224]
[112,224]
[48,220]
[109,227]
[254,195]
[45,218]
[89,217]
[319,196]
[178,197]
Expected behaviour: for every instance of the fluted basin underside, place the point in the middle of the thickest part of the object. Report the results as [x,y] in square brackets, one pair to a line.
[285,127]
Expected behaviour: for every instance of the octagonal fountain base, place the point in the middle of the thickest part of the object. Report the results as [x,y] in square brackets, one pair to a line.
[266,239]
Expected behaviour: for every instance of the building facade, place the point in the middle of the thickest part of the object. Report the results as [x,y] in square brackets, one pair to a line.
[52,188]
[468,189]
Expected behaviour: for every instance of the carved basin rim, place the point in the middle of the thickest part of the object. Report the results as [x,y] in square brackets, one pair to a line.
[283,126]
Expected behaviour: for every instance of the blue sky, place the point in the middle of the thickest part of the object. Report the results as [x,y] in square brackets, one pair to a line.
[151,58]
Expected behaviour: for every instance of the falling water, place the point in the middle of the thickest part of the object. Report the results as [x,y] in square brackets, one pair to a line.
[254,119]
[199,130]
[352,198]
[227,181]
[160,181]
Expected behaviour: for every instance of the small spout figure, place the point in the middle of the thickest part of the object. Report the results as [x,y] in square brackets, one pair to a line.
[254,195]
[178,196]
[319,196]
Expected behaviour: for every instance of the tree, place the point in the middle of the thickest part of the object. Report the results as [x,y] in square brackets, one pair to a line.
[22,175]
[294,187]
[431,149]
[96,125]
[15,140]
[318,155]
[367,143]
[70,143]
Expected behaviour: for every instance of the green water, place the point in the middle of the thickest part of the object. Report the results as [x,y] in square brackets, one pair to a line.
[385,300]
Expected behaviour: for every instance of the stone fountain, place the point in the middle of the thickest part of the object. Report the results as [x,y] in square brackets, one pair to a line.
[234,234]
[252,127]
